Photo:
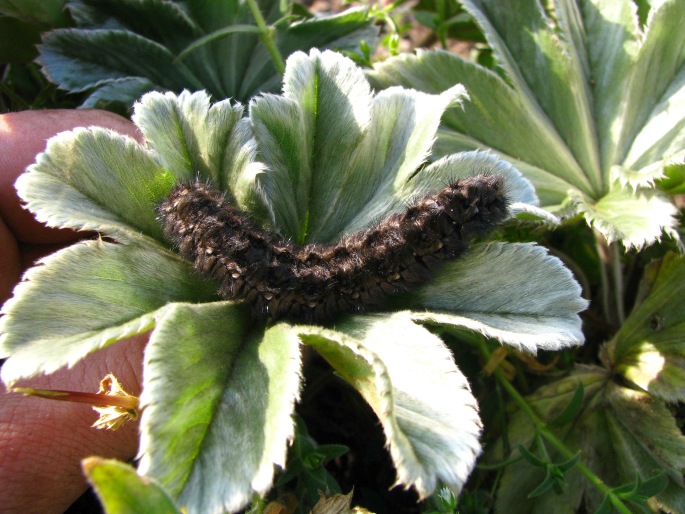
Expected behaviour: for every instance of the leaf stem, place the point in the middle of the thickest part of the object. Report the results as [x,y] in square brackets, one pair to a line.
[541,429]
[604,276]
[617,272]
[266,35]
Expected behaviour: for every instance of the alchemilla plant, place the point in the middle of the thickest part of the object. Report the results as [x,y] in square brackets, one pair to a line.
[325,158]
[587,102]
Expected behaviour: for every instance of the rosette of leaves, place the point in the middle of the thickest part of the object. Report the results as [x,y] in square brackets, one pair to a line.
[586,102]
[121,49]
[324,158]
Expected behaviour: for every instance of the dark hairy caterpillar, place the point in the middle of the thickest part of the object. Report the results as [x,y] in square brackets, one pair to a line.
[316,282]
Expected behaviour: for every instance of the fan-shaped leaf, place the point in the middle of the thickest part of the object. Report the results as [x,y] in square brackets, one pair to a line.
[140,41]
[198,141]
[78,60]
[86,297]
[586,100]
[354,158]
[649,349]
[620,432]
[542,313]
[217,399]
[420,397]
[96,179]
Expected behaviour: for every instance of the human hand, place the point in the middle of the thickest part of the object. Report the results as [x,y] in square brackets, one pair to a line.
[42,442]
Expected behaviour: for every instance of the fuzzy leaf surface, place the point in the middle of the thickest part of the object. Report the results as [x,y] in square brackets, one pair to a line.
[86,297]
[122,491]
[196,140]
[217,408]
[633,219]
[355,156]
[620,432]
[588,104]
[542,313]
[422,400]
[96,179]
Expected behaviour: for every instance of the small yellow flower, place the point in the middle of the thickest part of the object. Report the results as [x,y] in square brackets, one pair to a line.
[115,416]
[114,405]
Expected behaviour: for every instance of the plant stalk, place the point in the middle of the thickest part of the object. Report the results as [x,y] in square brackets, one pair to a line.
[605,285]
[617,272]
[266,35]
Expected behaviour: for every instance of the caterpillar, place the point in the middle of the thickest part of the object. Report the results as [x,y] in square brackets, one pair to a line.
[316,282]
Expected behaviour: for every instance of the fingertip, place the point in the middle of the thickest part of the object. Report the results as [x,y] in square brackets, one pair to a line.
[10,264]
[43,442]
[23,135]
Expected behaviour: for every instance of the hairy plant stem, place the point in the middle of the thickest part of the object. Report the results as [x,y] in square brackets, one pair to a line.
[543,431]
[611,274]
[604,277]
[617,271]
[266,35]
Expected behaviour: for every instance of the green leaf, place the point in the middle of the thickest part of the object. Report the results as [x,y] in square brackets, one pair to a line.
[133,40]
[496,116]
[533,303]
[612,44]
[197,141]
[674,180]
[341,31]
[315,93]
[554,472]
[649,349]
[71,184]
[620,432]
[635,220]
[392,196]
[86,297]
[355,156]
[571,410]
[551,190]
[422,400]
[586,106]
[217,403]
[217,34]
[78,60]
[643,490]
[657,69]
[544,72]
[306,462]
[122,491]
[48,13]
[661,139]
[96,179]
[530,457]
[118,91]
[168,22]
